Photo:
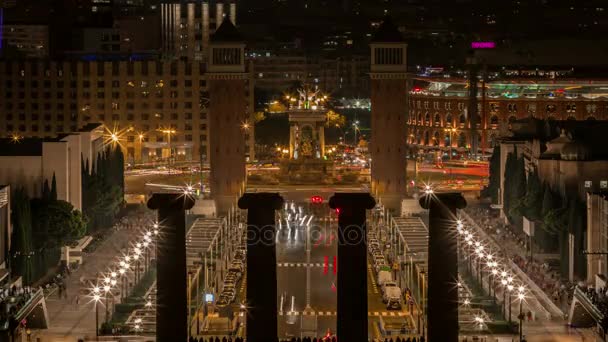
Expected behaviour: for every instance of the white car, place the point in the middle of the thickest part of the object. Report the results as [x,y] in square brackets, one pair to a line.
[391,293]
[386,285]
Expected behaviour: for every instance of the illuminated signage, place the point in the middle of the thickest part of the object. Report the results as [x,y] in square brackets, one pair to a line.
[483,45]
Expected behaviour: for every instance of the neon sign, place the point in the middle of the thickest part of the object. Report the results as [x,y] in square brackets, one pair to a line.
[483,45]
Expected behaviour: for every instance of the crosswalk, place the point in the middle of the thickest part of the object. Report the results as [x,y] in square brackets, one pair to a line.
[335,313]
[302,264]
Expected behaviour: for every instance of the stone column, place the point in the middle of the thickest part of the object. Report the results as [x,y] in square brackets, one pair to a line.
[352,264]
[322,139]
[171,283]
[261,265]
[442,307]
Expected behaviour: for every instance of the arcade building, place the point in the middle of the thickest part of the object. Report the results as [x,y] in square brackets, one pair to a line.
[438,108]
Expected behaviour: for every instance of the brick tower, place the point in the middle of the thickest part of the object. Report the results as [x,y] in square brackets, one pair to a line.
[389,115]
[227,115]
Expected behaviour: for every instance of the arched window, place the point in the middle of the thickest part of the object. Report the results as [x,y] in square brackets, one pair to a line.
[419,117]
[462,119]
[427,118]
[436,139]
[448,120]
[426,138]
[437,120]
[494,120]
[462,140]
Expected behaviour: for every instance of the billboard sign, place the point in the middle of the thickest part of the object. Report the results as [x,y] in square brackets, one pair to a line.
[483,45]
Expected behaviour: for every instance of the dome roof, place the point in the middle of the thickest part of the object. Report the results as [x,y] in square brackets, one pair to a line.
[575,151]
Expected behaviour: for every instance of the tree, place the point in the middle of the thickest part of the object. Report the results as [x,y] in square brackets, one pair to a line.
[46,190]
[334,119]
[533,200]
[53,194]
[258,117]
[508,180]
[277,107]
[494,183]
[103,189]
[518,188]
[21,239]
[56,223]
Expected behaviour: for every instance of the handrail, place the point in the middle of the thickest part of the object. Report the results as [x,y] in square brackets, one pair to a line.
[26,306]
[539,294]
[586,301]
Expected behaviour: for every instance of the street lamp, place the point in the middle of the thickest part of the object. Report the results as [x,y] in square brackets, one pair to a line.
[510,288]
[96,299]
[450,131]
[504,296]
[521,296]
[106,289]
[168,132]
[356,128]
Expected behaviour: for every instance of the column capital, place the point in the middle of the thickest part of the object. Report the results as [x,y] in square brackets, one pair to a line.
[452,200]
[174,201]
[263,199]
[352,201]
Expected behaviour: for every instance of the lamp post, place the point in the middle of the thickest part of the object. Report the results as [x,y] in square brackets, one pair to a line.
[509,288]
[355,128]
[169,132]
[450,131]
[504,296]
[521,297]
[106,289]
[494,273]
[96,298]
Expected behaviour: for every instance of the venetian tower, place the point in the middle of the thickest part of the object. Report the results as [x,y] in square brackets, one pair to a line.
[389,115]
[227,115]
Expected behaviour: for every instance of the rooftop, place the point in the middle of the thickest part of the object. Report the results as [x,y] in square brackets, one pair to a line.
[227,32]
[387,33]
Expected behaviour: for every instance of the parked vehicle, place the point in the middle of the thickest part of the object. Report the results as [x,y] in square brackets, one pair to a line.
[384,276]
[386,285]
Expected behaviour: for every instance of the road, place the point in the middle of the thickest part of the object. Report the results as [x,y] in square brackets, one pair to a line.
[316,311]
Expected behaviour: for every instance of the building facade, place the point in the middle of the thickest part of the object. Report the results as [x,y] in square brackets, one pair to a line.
[187,27]
[31,40]
[157,108]
[5,229]
[439,114]
[597,235]
[28,162]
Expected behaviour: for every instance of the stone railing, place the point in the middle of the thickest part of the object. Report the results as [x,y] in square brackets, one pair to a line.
[547,308]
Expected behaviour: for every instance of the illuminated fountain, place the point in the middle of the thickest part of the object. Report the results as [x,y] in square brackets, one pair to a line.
[307,162]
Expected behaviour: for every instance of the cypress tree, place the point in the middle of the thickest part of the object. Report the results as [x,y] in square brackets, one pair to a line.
[21,216]
[46,190]
[53,194]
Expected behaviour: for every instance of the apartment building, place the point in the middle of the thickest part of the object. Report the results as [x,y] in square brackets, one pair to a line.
[157,109]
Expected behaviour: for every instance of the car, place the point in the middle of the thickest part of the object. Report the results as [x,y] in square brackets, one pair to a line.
[386,285]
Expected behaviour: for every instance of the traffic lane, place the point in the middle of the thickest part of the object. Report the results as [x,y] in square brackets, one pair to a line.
[292,283]
[291,244]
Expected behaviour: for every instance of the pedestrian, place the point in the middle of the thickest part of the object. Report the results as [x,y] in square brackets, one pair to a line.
[60,291]
[529,315]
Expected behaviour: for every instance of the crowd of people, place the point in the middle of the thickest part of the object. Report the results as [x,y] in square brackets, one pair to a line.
[12,299]
[514,246]
[599,297]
